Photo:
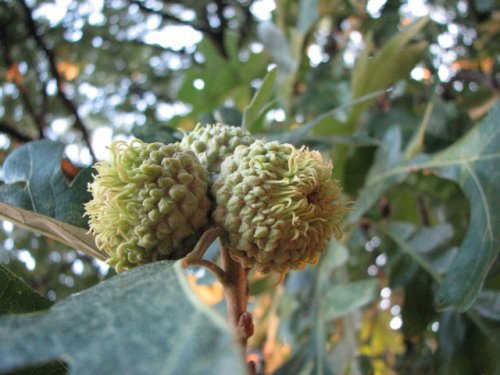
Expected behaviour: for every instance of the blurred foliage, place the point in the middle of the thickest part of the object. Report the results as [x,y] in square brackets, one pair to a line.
[401,97]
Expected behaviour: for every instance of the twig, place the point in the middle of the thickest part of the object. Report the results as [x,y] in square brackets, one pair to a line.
[9,130]
[219,33]
[70,106]
[234,279]
[195,257]
[246,28]
[422,209]
[216,34]
[170,17]
[11,64]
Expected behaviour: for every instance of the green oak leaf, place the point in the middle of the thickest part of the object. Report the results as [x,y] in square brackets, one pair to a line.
[234,83]
[472,162]
[145,321]
[33,180]
[345,298]
[260,102]
[387,157]
[17,297]
[393,62]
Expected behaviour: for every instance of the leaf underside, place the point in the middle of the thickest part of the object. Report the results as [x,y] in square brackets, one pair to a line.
[33,180]
[145,321]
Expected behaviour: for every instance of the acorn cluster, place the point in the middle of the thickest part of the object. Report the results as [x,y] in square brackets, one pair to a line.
[278,204]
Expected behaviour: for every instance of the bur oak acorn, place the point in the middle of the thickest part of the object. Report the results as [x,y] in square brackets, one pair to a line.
[149,203]
[278,204]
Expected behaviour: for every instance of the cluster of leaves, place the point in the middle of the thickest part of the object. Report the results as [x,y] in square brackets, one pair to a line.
[413,286]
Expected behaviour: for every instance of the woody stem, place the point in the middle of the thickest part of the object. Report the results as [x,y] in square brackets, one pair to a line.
[237,292]
[195,257]
[233,277]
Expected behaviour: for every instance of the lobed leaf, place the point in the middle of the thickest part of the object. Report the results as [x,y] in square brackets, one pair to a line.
[335,256]
[33,180]
[393,62]
[488,304]
[422,244]
[145,321]
[234,83]
[388,156]
[295,136]
[473,163]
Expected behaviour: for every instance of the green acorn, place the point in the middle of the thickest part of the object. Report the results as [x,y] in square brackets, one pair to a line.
[278,204]
[149,203]
[213,143]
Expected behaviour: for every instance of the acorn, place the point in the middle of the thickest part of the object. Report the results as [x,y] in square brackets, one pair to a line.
[278,204]
[150,202]
[213,143]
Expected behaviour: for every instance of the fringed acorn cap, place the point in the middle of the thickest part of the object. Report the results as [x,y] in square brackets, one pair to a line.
[149,203]
[213,143]
[278,204]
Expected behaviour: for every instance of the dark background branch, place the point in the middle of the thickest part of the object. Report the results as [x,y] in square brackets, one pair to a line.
[14,133]
[220,32]
[170,17]
[10,64]
[215,34]
[70,106]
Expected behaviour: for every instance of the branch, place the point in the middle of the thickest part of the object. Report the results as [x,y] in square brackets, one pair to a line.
[70,106]
[234,279]
[237,292]
[11,64]
[14,133]
[422,210]
[154,46]
[217,35]
[246,28]
[170,17]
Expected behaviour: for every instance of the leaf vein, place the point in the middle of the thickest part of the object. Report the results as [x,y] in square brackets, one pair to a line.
[432,164]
